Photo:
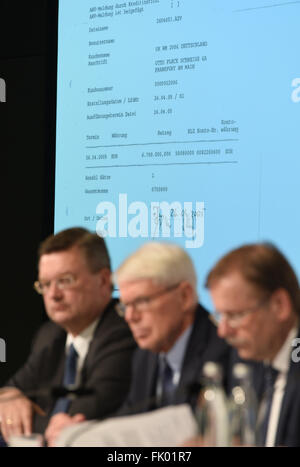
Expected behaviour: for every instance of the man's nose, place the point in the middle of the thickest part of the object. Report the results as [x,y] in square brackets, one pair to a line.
[131,313]
[224,329]
[54,290]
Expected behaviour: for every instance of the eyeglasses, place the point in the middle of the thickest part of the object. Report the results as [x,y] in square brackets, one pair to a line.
[235,318]
[142,303]
[62,283]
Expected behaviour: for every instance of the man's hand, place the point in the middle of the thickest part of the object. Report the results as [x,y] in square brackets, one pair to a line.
[57,423]
[16,412]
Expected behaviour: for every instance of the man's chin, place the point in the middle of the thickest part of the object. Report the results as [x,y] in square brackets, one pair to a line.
[242,349]
[142,342]
[60,316]
[245,353]
[145,343]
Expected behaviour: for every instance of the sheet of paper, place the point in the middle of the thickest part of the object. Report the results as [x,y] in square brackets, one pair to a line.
[170,426]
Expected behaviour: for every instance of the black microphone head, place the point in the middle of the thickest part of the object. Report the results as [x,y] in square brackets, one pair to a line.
[194,388]
[62,391]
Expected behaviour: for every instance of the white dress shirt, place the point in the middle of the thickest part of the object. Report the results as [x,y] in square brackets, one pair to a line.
[81,343]
[175,358]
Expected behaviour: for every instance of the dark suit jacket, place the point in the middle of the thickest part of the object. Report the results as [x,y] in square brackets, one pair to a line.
[106,368]
[204,345]
[288,428]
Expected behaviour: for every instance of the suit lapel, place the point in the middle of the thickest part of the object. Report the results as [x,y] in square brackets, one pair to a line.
[151,381]
[98,338]
[258,378]
[53,366]
[195,348]
[291,388]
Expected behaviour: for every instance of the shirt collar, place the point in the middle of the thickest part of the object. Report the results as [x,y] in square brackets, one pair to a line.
[82,341]
[282,360]
[176,354]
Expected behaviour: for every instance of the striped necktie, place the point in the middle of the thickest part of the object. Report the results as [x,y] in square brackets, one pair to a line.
[270,378]
[62,404]
[168,386]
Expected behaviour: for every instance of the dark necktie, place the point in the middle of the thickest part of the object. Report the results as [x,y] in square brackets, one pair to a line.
[62,404]
[168,386]
[270,378]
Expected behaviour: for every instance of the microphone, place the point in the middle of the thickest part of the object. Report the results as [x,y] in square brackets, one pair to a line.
[185,393]
[194,388]
[68,391]
[71,392]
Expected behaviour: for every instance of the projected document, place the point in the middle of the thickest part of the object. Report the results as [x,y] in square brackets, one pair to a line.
[179,121]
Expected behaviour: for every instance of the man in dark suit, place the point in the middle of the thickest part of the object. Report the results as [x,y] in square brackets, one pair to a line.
[256,294]
[159,302]
[85,342]
[175,335]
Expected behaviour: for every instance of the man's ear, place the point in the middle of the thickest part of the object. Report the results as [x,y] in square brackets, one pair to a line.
[105,277]
[282,304]
[187,295]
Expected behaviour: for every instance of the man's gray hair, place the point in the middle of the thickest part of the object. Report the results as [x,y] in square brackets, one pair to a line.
[163,263]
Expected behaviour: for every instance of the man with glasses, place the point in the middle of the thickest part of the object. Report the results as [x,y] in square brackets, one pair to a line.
[83,344]
[256,295]
[175,334]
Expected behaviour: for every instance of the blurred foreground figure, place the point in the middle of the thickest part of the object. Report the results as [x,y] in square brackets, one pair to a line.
[85,343]
[256,296]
